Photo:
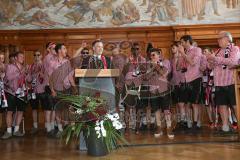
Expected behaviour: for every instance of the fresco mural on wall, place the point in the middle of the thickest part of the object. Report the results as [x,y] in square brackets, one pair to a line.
[51,14]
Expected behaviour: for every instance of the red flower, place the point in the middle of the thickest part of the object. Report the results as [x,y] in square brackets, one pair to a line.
[91,117]
[101,111]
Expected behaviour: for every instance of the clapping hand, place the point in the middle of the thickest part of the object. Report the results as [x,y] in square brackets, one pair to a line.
[181,50]
[210,57]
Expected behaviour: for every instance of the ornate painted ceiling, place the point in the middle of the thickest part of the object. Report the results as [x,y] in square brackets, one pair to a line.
[52,14]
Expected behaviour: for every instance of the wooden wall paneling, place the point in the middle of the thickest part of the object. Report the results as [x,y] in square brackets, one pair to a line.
[206,34]
[237,41]
[162,37]
[30,49]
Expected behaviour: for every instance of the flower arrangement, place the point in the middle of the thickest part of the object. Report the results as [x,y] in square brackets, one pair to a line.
[87,114]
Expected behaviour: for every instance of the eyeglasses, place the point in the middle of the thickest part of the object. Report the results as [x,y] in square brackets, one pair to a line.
[36,55]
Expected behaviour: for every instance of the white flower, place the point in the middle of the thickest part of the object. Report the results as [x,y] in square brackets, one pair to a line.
[116,116]
[79,111]
[100,130]
[117,125]
[88,99]
[110,117]
[104,133]
[97,128]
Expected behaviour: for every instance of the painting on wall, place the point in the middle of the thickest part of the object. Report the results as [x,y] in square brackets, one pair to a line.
[52,14]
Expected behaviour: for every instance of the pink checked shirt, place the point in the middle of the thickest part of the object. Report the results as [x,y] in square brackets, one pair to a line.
[49,62]
[61,75]
[12,77]
[225,77]
[193,71]
[178,76]
[129,78]
[36,73]
[159,83]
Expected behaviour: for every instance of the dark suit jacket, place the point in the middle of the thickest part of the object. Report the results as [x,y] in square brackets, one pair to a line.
[98,64]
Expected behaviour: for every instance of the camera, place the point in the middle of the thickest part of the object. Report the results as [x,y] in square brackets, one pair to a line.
[34,96]
[34,82]
[160,63]
[4,103]
[136,72]
[183,70]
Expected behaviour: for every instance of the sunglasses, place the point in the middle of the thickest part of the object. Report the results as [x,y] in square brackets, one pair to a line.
[36,55]
[85,52]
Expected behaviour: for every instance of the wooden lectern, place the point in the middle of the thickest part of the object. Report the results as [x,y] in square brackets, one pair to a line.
[237,91]
[92,81]
[102,81]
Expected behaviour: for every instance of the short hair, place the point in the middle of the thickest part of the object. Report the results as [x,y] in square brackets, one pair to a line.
[227,34]
[17,53]
[36,51]
[134,45]
[85,48]
[58,47]
[158,50]
[175,43]
[187,38]
[208,48]
[11,55]
[96,41]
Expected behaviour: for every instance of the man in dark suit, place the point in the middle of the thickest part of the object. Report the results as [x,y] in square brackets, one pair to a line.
[98,60]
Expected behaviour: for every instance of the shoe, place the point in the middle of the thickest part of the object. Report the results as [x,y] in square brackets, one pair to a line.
[51,134]
[34,130]
[59,134]
[137,131]
[158,133]
[180,127]
[211,125]
[195,129]
[170,133]
[18,134]
[235,125]
[6,135]
[189,124]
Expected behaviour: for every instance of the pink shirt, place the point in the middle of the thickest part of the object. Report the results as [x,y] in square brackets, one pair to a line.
[61,75]
[36,74]
[225,77]
[159,82]
[49,62]
[2,70]
[13,77]
[203,63]
[133,64]
[178,76]
[193,71]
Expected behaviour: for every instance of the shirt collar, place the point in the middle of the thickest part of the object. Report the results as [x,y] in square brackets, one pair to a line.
[97,56]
